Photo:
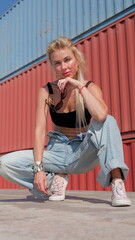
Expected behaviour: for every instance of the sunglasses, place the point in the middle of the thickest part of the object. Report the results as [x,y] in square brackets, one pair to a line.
[60,104]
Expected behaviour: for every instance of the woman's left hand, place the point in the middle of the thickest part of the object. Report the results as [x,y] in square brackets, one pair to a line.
[68,82]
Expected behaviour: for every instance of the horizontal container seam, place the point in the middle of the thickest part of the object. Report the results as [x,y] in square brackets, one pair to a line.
[111,21]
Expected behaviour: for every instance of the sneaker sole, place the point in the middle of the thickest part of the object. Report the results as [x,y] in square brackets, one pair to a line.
[121,203]
[60,198]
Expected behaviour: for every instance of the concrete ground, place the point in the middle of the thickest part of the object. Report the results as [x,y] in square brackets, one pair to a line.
[83,215]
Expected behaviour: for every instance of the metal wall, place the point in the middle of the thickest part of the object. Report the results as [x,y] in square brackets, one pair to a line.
[110,57]
[29,25]
[17,107]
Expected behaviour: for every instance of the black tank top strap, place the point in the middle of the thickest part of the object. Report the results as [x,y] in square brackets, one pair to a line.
[87,84]
[50,88]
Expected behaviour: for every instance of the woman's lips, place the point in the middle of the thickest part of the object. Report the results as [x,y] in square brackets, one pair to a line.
[66,73]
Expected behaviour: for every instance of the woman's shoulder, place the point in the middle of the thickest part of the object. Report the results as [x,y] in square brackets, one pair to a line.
[43,90]
[50,84]
[91,83]
[93,87]
[51,88]
[88,82]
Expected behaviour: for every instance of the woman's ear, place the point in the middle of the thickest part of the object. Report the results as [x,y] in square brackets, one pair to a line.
[78,68]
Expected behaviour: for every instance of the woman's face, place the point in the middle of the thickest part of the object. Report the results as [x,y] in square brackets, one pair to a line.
[64,63]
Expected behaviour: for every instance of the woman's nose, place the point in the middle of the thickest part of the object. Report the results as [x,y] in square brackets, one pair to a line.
[63,65]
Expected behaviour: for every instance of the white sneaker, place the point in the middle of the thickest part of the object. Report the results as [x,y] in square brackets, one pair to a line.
[119,197]
[58,187]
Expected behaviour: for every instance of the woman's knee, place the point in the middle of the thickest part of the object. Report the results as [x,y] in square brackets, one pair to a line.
[4,165]
[8,162]
[112,123]
[111,119]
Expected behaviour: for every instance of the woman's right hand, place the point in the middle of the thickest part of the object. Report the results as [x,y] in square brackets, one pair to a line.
[40,182]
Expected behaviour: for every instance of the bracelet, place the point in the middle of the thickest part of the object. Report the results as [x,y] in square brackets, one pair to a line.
[38,166]
[80,90]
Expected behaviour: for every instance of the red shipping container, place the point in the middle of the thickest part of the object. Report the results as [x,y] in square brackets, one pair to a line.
[110,57]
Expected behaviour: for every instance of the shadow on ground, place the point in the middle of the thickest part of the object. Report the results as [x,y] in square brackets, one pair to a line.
[75,198]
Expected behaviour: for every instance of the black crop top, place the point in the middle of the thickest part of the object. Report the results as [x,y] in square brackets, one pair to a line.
[66,119]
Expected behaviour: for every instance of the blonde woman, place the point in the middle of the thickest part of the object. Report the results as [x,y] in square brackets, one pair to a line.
[84,134]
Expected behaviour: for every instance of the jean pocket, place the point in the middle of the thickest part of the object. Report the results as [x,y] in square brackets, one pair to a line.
[50,143]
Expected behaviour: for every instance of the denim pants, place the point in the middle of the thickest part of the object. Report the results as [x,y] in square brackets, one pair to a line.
[101,144]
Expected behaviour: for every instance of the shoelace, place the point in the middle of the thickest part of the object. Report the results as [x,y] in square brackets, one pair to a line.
[119,189]
[56,186]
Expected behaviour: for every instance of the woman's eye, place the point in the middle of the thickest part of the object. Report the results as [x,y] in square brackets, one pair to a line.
[68,59]
[57,63]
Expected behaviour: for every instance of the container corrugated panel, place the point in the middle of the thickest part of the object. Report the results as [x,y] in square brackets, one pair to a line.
[17,108]
[110,57]
[28,26]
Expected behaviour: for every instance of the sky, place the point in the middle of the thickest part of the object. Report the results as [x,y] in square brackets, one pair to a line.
[5,5]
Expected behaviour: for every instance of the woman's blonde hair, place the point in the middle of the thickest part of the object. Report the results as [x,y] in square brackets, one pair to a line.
[61,43]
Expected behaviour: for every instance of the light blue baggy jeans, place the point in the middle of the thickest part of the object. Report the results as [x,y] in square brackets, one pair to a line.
[100,144]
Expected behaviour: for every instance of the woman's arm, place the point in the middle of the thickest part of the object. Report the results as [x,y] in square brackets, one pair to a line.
[93,99]
[92,95]
[40,124]
[40,180]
